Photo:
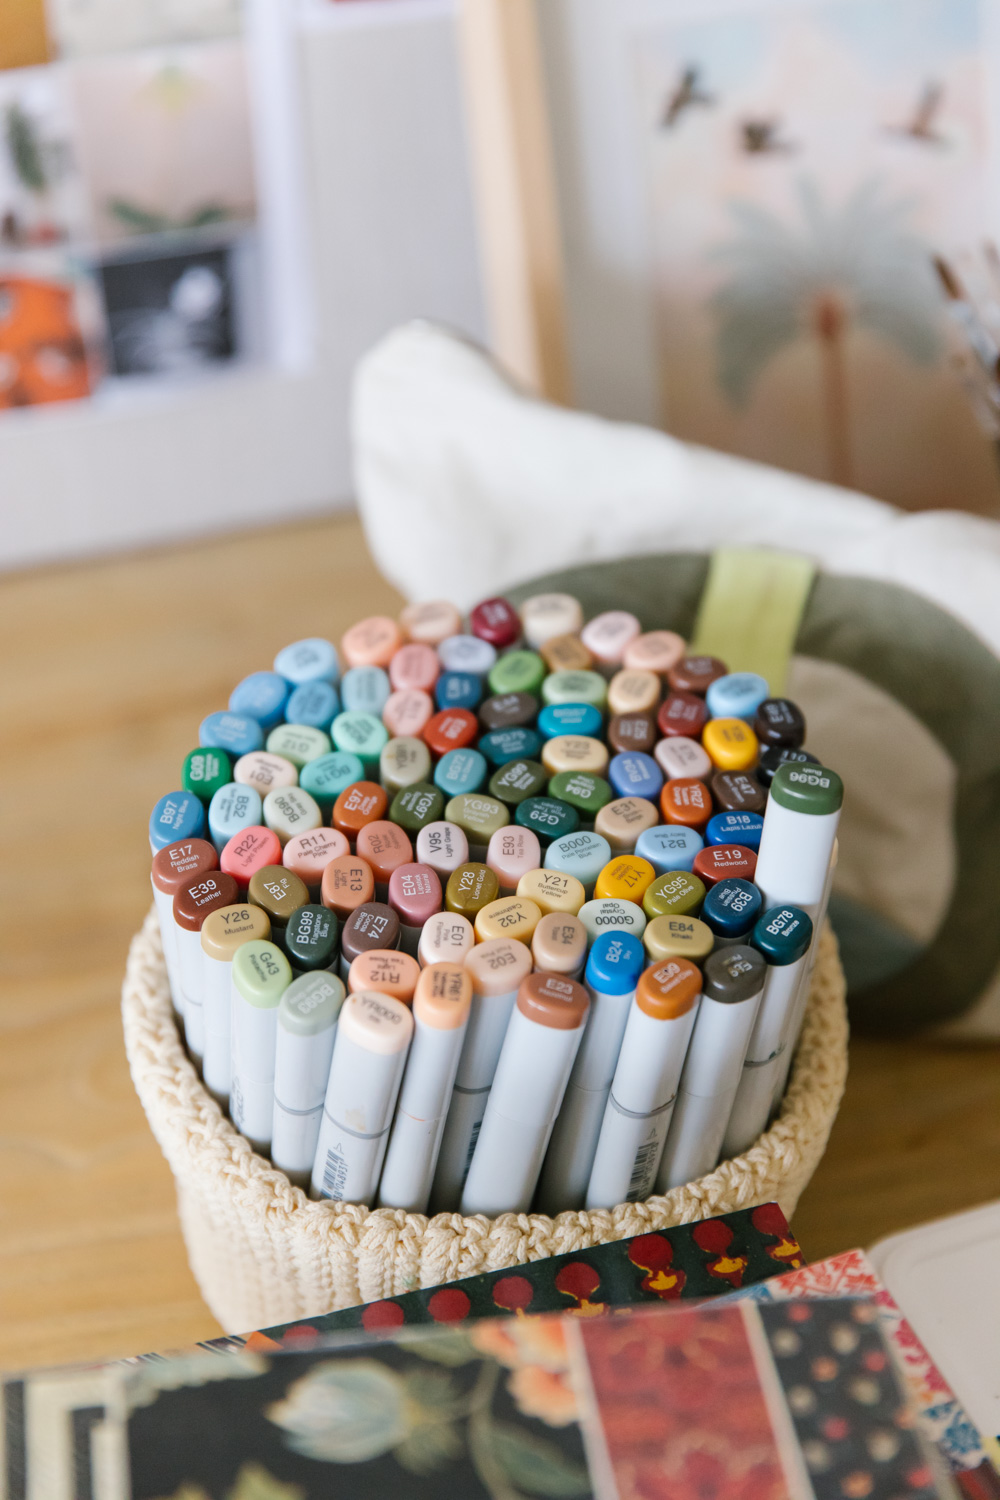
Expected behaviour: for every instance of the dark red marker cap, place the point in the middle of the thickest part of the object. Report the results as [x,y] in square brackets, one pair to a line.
[738,791]
[632,732]
[722,861]
[415,894]
[208,893]
[178,864]
[451,729]
[373,925]
[496,621]
[695,674]
[682,713]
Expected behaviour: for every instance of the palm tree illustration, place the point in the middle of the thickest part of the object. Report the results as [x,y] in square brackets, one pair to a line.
[856,266]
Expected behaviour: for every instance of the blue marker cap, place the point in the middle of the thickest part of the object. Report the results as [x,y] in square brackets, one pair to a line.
[178,815]
[460,771]
[633,774]
[669,847]
[312,660]
[365,690]
[615,963]
[260,696]
[782,934]
[744,829]
[458,690]
[237,734]
[570,718]
[328,775]
[313,703]
[581,854]
[738,695]
[233,808]
[732,907]
[466,653]
[503,745]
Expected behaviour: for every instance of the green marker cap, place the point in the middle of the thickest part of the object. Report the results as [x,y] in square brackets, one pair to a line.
[518,780]
[478,817]
[675,894]
[416,806]
[261,973]
[299,743]
[310,937]
[361,734]
[518,672]
[325,778]
[583,790]
[311,1004]
[205,771]
[576,687]
[547,817]
[807,789]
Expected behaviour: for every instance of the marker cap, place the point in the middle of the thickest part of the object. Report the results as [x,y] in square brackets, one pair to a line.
[362,802]
[546,615]
[669,846]
[676,894]
[724,862]
[511,853]
[679,757]
[496,621]
[261,973]
[518,672]
[446,938]
[669,989]
[625,879]
[176,817]
[415,894]
[460,771]
[773,757]
[497,967]
[406,713]
[565,653]
[569,718]
[732,975]
[289,810]
[347,883]
[509,916]
[466,653]
[634,775]
[737,791]
[310,937]
[414,807]
[509,711]
[232,808]
[517,780]
[451,729]
[176,865]
[229,927]
[615,963]
[682,713]
[783,935]
[455,690]
[310,660]
[209,892]
[559,943]
[780,722]
[478,817]
[443,846]
[471,887]
[308,854]
[686,801]
[547,818]
[299,743]
[403,762]
[732,907]
[632,733]
[575,687]
[574,752]
[235,733]
[278,891]
[442,997]
[377,1022]
[735,828]
[264,772]
[371,927]
[811,789]
[731,744]
[261,696]
[552,890]
[430,622]
[385,846]
[250,850]
[678,937]
[313,703]
[695,674]
[608,635]
[415,666]
[365,690]
[655,651]
[311,1004]
[581,854]
[387,972]
[362,734]
[552,1001]
[583,790]
[612,914]
[328,776]
[205,770]
[633,692]
[738,695]
[500,746]
[622,822]
[372,642]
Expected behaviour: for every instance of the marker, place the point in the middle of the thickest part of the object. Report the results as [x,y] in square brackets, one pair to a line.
[176,817]
[779,721]
[518,780]
[496,621]
[442,846]
[193,902]
[265,773]
[446,938]
[575,687]
[772,758]
[686,801]
[731,744]
[538,1052]
[622,823]
[362,802]
[347,883]
[790,1036]
[279,892]
[289,810]
[682,714]
[407,712]
[640,1102]
[633,692]
[309,939]
[735,828]
[501,746]
[460,771]
[299,743]
[730,909]
[679,757]
[569,718]
[583,790]
[612,914]
[458,690]
[724,861]
[800,827]
[369,1055]
[511,853]
[783,935]
[451,729]
[479,818]
[373,926]
[738,695]
[414,668]
[415,896]
[404,761]
[260,976]
[329,775]
[607,636]
[678,937]
[632,733]
[731,986]
[466,653]
[311,660]
[547,818]
[471,887]
[362,735]
[237,734]
[386,972]
[365,690]
[509,711]
[496,970]
[430,622]
[566,653]
[231,810]
[223,932]
[737,791]
[313,703]
[261,696]
[174,867]
[372,642]
[546,615]
[574,752]
[249,851]
[613,968]
[655,651]
[518,672]
[385,847]
[635,776]
[552,891]
[510,917]
[308,854]
[624,879]
[304,1037]
[583,855]
[695,674]
[415,807]
[559,945]
[676,894]
[669,846]
[205,771]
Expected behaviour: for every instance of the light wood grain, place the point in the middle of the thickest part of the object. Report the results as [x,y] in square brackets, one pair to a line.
[108,669]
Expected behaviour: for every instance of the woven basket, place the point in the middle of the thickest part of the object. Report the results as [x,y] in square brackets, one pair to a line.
[263,1253]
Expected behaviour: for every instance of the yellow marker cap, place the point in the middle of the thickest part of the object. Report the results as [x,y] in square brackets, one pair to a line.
[574,752]
[552,890]
[510,917]
[731,743]
[625,879]
[633,692]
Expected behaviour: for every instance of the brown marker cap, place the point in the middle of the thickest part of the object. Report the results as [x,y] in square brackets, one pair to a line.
[360,803]
[385,846]
[695,674]
[509,711]
[178,864]
[470,888]
[373,925]
[209,892]
[550,1000]
[565,653]
[389,973]
[635,732]
[668,989]
[443,996]
[278,891]
[738,791]
[347,883]
[723,862]
[559,944]
[230,927]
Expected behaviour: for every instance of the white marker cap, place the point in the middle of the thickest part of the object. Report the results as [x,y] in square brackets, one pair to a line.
[546,615]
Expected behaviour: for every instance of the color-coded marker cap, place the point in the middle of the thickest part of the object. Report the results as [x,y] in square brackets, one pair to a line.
[361,734]
[451,729]
[547,817]
[407,713]
[205,770]
[347,883]
[511,853]
[503,745]
[289,811]
[431,622]
[372,642]
[471,887]
[311,1004]
[264,772]
[497,967]
[496,621]
[466,653]
[574,752]
[517,780]
[415,666]
[404,761]
[365,690]
[783,934]
[608,635]
[261,973]
[308,854]
[415,894]
[250,850]
[811,789]
[772,759]
[209,891]
[385,846]
[175,817]
[233,808]
[546,615]
[629,733]
[669,989]
[575,687]
[315,704]
[328,776]
[625,879]
[311,660]
[616,960]
[478,816]
[261,696]
[735,828]
[738,791]
[278,891]
[676,894]
[299,743]
[237,734]
[310,938]
[731,908]
[509,711]
[624,821]
[559,943]
[443,846]
[415,806]
[458,690]
[655,651]
[609,914]
[569,718]
[583,790]
[731,744]
[695,674]
[679,757]
[508,917]
[738,695]
[552,890]
[518,672]
[686,801]
[780,722]
[678,937]
[446,938]
[633,692]
[682,713]
[385,973]
[733,975]
[554,1002]
[378,1023]
[460,771]
[565,653]
[362,802]
[229,927]
[634,775]
[371,927]
[723,862]
[442,997]
[669,846]
[176,865]
[581,854]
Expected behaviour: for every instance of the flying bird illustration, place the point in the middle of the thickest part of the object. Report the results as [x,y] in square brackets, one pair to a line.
[761,137]
[684,95]
[921,126]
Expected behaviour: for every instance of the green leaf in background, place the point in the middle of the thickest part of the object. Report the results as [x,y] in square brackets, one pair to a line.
[26,150]
[535,1466]
[443,1346]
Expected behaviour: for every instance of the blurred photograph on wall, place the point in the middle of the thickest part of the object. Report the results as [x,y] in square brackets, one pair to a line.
[51,331]
[42,200]
[87,28]
[170,314]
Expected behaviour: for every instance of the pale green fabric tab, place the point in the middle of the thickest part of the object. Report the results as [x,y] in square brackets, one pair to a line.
[751,609]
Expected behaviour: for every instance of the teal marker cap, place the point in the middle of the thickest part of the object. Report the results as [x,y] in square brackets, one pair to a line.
[361,734]
[205,771]
[547,817]
[782,934]
[310,938]
[329,775]
[570,718]
[502,745]
[460,771]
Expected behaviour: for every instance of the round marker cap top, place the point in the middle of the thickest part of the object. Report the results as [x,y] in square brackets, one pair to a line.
[431,622]
[460,771]
[308,854]
[546,615]
[615,963]
[676,894]
[552,1001]
[205,771]
[503,745]
[407,713]
[607,636]
[261,974]
[311,1004]
[608,914]
[724,862]
[446,938]
[695,674]
[732,975]
[299,743]
[633,692]
[264,772]
[511,853]
[735,828]
[328,776]
[207,893]
[623,822]
[683,714]
[478,817]
[773,757]
[289,810]
[547,818]
[517,780]
[372,642]
[414,807]
[625,879]
[360,733]
[415,666]
[738,695]
[655,651]
[176,865]
[581,854]
[466,653]
[780,722]
[783,934]
[731,908]
[570,718]
[509,711]
[362,802]
[248,851]
[314,704]
[377,1022]
[518,672]
[347,883]
[458,690]
[679,757]
[365,690]
[415,894]
[669,846]
[678,937]
[634,775]
[575,687]
[176,817]
[261,696]
[385,971]
[559,943]
[583,790]
[442,997]
[385,846]
[372,927]
[404,761]
[311,660]
[632,733]
[310,938]
[737,791]
[236,733]
[509,916]
[574,752]
[669,989]
[498,966]
[496,621]
[811,789]
[471,887]
[233,807]
[565,653]
[278,891]
[731,743]
[443,846]
[451,729]
[552,890]
[686,801]
[229,927]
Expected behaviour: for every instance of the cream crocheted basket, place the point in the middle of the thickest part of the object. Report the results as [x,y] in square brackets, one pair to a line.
[263,1253]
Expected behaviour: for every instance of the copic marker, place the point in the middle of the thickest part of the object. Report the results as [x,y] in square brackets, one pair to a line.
[676,894]
[279,892]
[265,773]
[511,853]
[233,809]
[518,672]
[385,846]
[612,914]
[312,660]
[682,714]
[175,818]
[289,810]
[552,891]
[315,704]
[365,690]
[442,846]
[458,690]
[738,695]
[509,916]
[547,818]
[616,960]
[373,927]
[369,1055]
[773,757]
[790,1036]
[414,807]
[738,791]
[669,846]
[678,937]
[634,775]
[637,1116]
[308,854]
[679,757]
[451,729]
[686,801]
[623,822]
[731,987]
[730,909]
[304,1037]
[360,803]
[347,883]
[407,712]
[496,621]
[431,622]
[780,722]
[632,734]
[300,744]
[441,1005]
[362,735]
[624,879]
[695,674]
[500,746]
[222,933]
[559,945]
[460,771]
[415,895]
[509,711]
[731,744]
[518,780]
[193,902]
[735,828]
[372,642]
[237,734]
[309,939]
[574,752]
[723,862]
[205,771]
[404,762]
[569,718]
[546,615]
[466,653]
[261,696]
[566,653]
[583,790]
[446,938]
[248,851]
[582,855]
[260,976]
[415,667]
[655,651]
[539,1049]
[174,867]
[575,687]
[471,887]
[386,972]
[800,826]
[607,636]
[329,775]
[633,692]
[479,818]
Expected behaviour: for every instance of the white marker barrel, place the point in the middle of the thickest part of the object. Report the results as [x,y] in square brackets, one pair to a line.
[260,976]
[538,1053]
[790,1038]
[796,844]
[222,933]
[731,988]
[306,1028]
[637,1115]
[192,904]
[175,866]
[369,1055]
[440,1015]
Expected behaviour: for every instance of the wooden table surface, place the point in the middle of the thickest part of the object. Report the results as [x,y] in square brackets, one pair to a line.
[109,667]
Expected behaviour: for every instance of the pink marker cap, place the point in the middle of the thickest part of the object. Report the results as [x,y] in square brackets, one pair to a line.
[679,755]
[447,937]
[372,642]
[385,846]
[608,635]
[432,622]
[496,621]
[308,854]
[443,846]
[415,894]
[249,851]
[656,651]
[406,712]
[511,853]
[415,666]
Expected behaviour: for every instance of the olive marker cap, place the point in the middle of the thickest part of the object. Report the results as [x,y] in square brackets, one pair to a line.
[261,974]
[518,780]
[471,887]
[176,817]
[478,816]
[546,615]
[518,672]
[264,772]
[676,894]
[575,687]
[569,718]
[695,674]
[669,846]
[278,891]
[632,733]
[559,944]
[458,690]
[229,927]
[654,651]
[311,1004]
[738,695]
[496,621]
[236,733]
[261,696]
[250,850]
[414,807]
[365,690]
[584,790]
[731,744]
[315,704]
[735,828]
[310,660]
[329,775]
[738,791]
[204,771]
[431,622]
[310,937]
[779,721]
[783,934]
[811,789]
[669,989]
[773,757]
[731,908]
[207,893]
[635,775]
[509,711]
[732,975]
[347,883]
[549,1000]
[547,818]
[415,666]
[299,743]
[405,713]
[678,937]
[176,865]
[372,642]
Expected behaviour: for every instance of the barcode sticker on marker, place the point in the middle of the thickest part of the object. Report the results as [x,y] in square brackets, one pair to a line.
[236,1104]
[334,1175]
[646,1161]
[473,1138]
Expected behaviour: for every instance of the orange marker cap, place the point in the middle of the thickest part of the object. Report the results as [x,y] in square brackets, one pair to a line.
[385,846]
[451,729]
[686,801]
[372,642]
[347,883]
[360,803]
[387,970]
[443,996]
[668,989]
[550,1000]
